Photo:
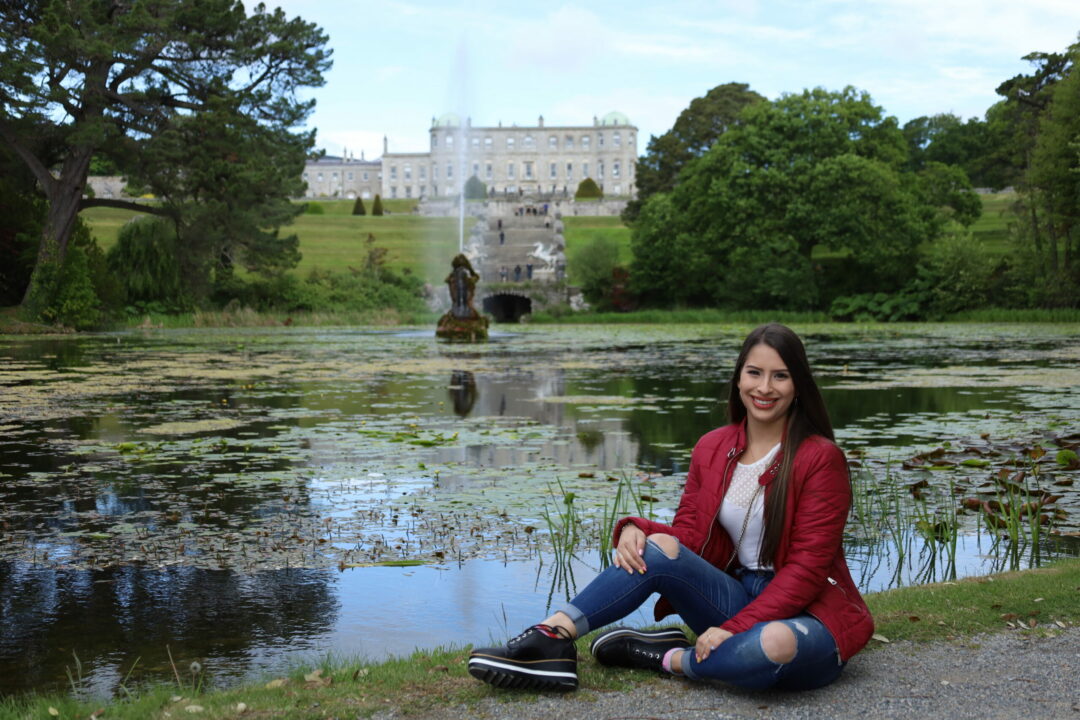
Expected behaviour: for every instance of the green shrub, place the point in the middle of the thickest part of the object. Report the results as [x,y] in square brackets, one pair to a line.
[69,289]
[314,208]
[587,189]
[875,307]
[376,207]
[475,189]
[594,267]
[358,206]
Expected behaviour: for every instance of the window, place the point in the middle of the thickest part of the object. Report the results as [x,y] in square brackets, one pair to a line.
[568,142]
[365,175]
[434,172]
[475,142]
[408,191]
[408,172]
[305,176]
[434,141]
[349,176]
[616,138]
[509,143]
[586,140]
[600,169]
[476,169]
[569,171]
[333,175]
[449,141]
[423,172]
[528,141]
[553,142]
[554,170]
[600,139]
[319,177]
[615,169]
[487,171]
[487,143]
[449,170]
[393,191]
[510,171]
[529,170]
[393,172]
[584,169]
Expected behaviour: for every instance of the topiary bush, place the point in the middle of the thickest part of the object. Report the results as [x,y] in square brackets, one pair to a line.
[376,207]
[314,208]
[358,206]
[587,189]
[475,189]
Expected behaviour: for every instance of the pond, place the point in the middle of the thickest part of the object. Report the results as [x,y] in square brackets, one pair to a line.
[258,498]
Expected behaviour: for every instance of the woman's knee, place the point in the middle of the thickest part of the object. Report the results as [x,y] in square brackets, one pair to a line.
[778,642]
[668,544]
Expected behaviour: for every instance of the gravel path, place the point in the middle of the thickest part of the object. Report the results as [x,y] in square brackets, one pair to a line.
[1001,676]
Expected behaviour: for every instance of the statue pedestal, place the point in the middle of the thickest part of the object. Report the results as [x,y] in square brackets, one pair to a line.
[462,323]
[462,329]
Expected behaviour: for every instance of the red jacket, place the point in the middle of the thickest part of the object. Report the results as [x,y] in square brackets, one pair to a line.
[811,573]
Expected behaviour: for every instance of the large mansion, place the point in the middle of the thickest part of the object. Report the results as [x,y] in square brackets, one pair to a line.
[534,160]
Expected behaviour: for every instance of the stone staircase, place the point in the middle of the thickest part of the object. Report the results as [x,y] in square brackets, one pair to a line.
[510,244]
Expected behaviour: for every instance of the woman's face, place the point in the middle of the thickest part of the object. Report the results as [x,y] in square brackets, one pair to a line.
[765,386]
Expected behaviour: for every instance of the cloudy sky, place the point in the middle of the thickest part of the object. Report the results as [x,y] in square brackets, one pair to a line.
[398,64]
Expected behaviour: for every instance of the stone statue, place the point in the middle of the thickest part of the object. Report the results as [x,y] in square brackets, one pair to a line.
[462,322]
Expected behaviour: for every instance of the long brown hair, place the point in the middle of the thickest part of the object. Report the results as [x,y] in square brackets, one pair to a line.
[806,416]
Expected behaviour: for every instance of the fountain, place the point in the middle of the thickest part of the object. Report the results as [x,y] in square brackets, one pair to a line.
[462,322]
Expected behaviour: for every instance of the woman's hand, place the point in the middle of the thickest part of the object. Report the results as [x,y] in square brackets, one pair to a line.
[709,641]
[630,548]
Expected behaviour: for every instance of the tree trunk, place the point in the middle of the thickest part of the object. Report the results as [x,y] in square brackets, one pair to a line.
[64,208]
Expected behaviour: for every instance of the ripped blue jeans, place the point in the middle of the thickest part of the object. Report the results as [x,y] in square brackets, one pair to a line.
[705,596]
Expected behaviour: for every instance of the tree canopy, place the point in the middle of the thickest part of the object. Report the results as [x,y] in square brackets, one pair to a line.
[194,100]
[816,169]
[694,132]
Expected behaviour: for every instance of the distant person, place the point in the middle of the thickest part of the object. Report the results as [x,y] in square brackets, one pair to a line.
[753,561]
[528,271]
[517,273]
[502,237]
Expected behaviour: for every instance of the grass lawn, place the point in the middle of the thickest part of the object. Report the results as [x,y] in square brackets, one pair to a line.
[334,239]
[992,227]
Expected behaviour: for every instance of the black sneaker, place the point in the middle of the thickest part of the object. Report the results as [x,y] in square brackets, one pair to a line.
[642,649]
[541,658]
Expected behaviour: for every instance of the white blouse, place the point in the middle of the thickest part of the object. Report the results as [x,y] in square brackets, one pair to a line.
[744,482]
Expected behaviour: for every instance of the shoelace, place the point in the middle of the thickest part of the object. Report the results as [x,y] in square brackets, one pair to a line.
[562,632]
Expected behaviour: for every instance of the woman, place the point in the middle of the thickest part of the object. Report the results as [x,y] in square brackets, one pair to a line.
[752,562]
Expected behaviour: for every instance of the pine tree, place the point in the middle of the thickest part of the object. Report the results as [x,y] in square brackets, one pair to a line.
[358,206]
[376,207]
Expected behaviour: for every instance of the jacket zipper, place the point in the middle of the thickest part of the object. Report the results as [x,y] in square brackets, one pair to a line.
[732,454]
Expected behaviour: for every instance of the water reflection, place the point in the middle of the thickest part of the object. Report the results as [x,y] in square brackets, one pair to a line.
[463,392]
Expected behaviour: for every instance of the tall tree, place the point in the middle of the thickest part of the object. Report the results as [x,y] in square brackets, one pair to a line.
[1053,178]
[1038,146]
[815,169]
[115,82]
[695,130]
